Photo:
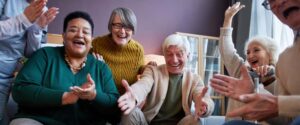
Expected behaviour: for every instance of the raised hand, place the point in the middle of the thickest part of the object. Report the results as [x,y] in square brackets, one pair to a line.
[258,107]
[87,90]
[200,105]
[35,10]
[230,12]
[127,101]
[233,87]
[47,17]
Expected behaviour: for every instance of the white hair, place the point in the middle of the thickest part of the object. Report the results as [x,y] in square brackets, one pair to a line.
[269,44]
[177,40]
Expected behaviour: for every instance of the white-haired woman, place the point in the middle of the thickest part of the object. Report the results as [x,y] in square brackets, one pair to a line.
[261,56]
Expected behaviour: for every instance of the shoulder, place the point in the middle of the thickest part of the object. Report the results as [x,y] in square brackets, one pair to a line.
[135,43]
[101,42]
[289,52]
[96,63]
[101,39]
[161,69]
[154,68]
[134,46]
[49,51]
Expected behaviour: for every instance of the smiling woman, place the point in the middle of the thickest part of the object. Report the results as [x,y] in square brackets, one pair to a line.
[77,39]
[124,55]
[58,74]
[261,57]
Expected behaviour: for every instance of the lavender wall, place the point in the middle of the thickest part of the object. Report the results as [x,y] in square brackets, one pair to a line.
[156,18]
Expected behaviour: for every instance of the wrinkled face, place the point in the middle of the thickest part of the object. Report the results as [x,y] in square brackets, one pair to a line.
[175,59]
[257,55]
[120,33]
[288,11]
[78,37]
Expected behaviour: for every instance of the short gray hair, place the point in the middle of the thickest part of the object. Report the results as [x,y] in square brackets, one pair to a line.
[127,16]
[177,40]
[269,44]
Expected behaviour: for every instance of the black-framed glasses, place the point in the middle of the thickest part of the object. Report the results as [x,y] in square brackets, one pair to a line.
[119,26]
[266,4]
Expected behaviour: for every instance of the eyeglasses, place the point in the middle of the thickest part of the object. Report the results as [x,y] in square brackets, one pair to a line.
[268,4]
[119,26]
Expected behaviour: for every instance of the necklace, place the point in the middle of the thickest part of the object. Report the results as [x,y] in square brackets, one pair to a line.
[75,69]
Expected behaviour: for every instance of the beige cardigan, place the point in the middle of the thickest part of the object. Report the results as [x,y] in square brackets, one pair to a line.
[153,86]
[288,80]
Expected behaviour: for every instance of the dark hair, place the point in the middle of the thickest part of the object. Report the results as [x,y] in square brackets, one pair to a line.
[78,14]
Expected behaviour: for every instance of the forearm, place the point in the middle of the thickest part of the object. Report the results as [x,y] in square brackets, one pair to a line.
[14,26]
[230,57]
[141,89]
[227,22]
[35,36]
[36,96]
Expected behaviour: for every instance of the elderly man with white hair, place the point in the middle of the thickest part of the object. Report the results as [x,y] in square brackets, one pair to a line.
[168,91]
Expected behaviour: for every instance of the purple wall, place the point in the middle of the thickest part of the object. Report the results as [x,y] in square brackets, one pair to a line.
[156,18]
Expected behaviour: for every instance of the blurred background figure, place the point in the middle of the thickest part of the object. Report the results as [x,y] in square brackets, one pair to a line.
[23,26]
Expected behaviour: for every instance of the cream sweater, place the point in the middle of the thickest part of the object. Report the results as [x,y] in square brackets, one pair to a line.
[288,80]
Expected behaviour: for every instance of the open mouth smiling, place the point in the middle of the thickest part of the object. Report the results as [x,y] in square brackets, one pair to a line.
[78,42]
[254,62]
[121,36]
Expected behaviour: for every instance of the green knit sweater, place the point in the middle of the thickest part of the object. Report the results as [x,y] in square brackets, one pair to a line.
[39,87]
[124,61]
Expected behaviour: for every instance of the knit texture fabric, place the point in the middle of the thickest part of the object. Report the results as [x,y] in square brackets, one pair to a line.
[124,61]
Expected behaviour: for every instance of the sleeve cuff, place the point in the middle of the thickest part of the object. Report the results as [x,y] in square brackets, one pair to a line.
[226,31]
[26,22]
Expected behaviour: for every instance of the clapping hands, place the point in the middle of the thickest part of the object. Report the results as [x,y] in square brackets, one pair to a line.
[47,17]
[86,91]
[35,10]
